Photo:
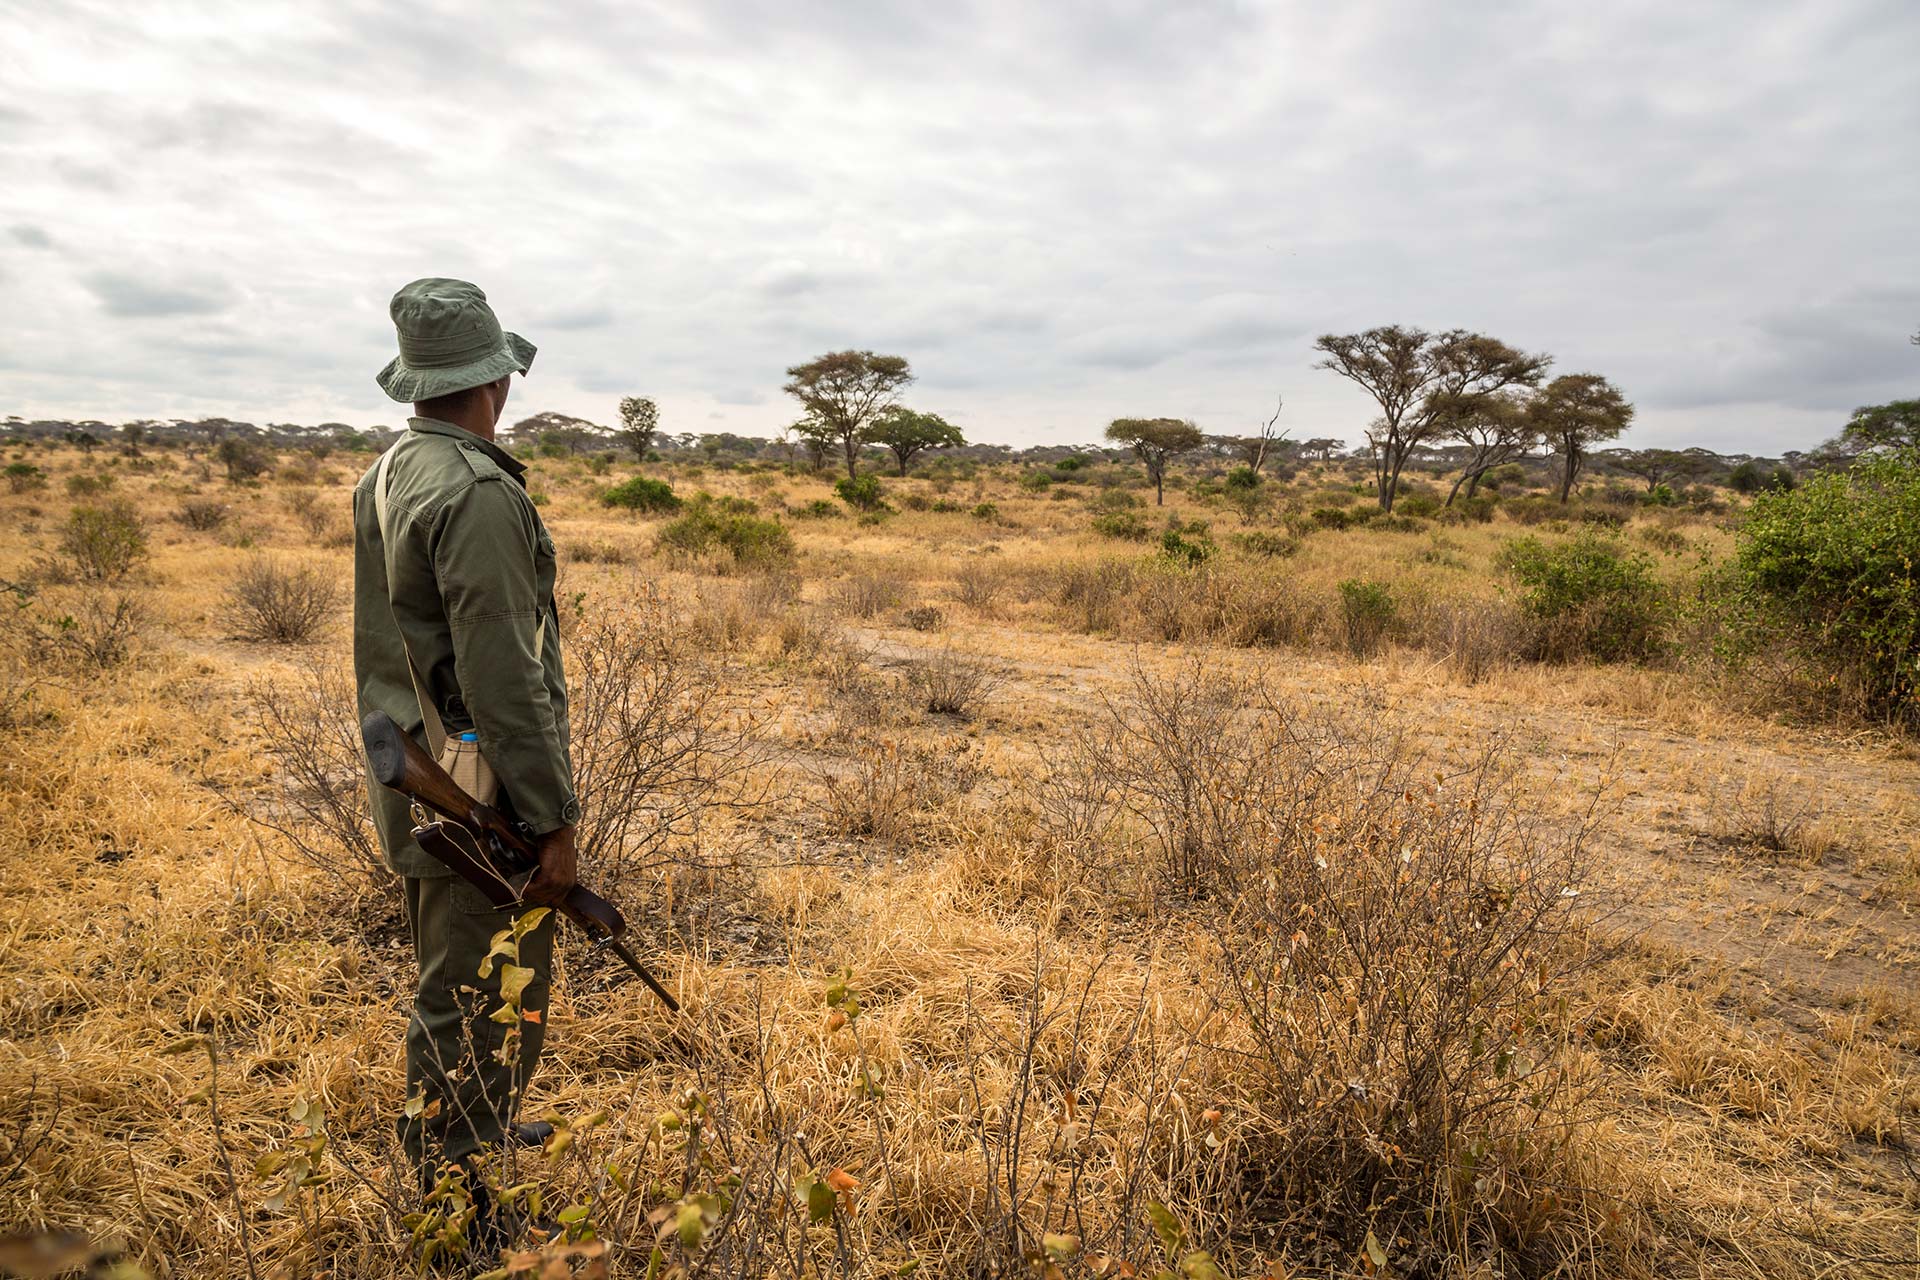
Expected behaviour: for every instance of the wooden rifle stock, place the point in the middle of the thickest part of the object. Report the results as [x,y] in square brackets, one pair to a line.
[501,849]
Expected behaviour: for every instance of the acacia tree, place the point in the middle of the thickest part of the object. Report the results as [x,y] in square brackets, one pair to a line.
[1657,466]
[1320,448]
[1156,441]
[908,434]
[1419,379]
[1875,427]
[815,437]
[1496,430]
[843,390]
[1575,412]
[639,420]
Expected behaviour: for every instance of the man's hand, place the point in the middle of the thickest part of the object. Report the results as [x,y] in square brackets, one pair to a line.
[558,871]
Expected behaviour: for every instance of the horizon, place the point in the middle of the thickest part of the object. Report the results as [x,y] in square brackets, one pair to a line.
[1058,217]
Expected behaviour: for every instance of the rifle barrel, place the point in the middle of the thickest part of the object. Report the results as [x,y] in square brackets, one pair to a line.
[633,963]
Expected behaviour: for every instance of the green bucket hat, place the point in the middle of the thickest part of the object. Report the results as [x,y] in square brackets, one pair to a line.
[449,341]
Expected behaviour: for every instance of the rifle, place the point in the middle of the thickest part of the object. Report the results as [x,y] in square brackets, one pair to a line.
[500,849]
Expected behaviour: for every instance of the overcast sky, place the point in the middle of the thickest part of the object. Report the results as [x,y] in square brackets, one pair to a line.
[1060,213]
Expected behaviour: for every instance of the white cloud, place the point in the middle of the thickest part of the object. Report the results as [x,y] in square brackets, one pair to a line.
[1061,213]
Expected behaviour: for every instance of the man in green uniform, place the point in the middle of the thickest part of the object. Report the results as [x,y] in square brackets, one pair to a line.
[454,636]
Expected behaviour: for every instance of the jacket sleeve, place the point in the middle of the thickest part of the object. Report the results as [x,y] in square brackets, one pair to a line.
[483,557]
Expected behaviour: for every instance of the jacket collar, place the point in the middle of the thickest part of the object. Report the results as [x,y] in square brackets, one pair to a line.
[507,462]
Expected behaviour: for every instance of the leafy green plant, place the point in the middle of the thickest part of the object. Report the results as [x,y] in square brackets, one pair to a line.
[104,543]
[1367,610]
[862,493]
[1593,596]
[985,511]
[642,493]
[1833,569]
[712,524]
[1125,525]
[24,476]
[1187,545]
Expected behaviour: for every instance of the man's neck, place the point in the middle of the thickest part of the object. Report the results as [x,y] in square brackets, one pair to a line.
[473,418]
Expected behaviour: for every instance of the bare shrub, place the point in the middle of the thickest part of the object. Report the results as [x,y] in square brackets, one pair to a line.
[104,544]
[885,783]
[1481,637]
[952,682]
[868,595]
[1401,966]
[1770,813]
[655,745]
[924,617]
[319,801]
[201,515]
[598,551]
[89,628]
[1094,597]
[979,587]
[875,792]
[1265,611]
[1200,760]
[280,604]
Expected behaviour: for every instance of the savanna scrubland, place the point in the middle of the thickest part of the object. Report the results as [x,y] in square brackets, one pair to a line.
[1056,884]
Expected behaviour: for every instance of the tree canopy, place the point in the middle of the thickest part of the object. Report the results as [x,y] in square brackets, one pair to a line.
[908,433]
[1156,441]
[1575,412]
[639,422]
[1420,380]
[1876,428]
[843,390]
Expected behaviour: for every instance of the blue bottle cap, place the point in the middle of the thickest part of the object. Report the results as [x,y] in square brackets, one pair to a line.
[469,736]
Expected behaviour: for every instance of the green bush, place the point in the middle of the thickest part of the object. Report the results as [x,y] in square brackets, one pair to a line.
[1593,596]
[862,493]
[1366,612]
[1661,495]
[985,511]
[104,543]
[1245,479]
[1833,568]
[1070,464]
[1420,506]
[1758,477]
[83,486]
[642,494]
[712,524]
[818,509]
[1125,525]
[22,476]
[1189,545]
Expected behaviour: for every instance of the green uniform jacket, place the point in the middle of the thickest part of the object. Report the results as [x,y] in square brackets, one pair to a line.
[472,582]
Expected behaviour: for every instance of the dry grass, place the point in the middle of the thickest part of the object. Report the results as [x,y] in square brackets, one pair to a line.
[1000,985]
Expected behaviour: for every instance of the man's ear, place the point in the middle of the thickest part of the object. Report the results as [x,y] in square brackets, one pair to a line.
[499,391]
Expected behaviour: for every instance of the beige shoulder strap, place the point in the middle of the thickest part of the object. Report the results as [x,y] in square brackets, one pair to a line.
[429,714]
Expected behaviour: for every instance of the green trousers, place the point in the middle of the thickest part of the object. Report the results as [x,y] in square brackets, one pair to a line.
[462,1095]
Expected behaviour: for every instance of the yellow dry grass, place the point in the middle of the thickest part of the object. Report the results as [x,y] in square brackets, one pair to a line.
[1750,1052]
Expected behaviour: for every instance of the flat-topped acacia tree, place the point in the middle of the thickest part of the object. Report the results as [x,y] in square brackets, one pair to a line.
[842,391]
[908,434]
[1157,441]
[1421,381]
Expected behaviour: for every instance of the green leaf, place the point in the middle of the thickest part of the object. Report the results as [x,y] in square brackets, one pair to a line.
[573,1213]
[1167,1227]
[1199,1265]
[527,922]
[819,1201]
[513,982]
